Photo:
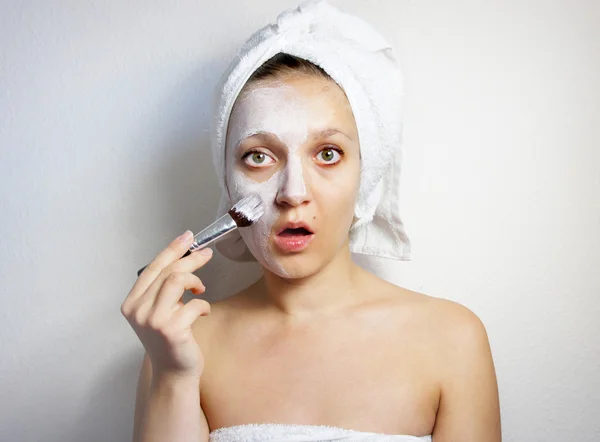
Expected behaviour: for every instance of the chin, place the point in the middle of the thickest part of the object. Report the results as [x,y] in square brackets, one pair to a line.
[296,266]
[295,275]
[296,272]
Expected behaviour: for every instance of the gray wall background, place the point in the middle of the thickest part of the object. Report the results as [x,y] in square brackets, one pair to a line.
[104,108]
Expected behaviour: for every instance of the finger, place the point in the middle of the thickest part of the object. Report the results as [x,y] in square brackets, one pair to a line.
[142,308]
[170,293]
[189,313]
[192,262]
[174,251]
[185,265]
[140,311]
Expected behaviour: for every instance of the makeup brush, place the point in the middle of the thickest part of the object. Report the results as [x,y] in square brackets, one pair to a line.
[243,214]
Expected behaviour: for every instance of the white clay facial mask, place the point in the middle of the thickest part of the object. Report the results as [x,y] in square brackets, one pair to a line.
[274,148]
[281,112]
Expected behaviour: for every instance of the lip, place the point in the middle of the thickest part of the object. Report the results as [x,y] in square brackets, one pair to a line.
[293,243]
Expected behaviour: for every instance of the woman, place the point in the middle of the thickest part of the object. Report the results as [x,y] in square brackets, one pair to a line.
[318,348]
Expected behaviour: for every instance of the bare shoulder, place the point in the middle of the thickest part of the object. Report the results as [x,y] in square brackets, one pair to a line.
[456,335]
[447,322]
[456,339]
[455,320]
[469,404]
[459,327]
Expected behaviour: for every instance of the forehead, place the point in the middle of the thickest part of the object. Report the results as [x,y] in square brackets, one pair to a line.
[303,100]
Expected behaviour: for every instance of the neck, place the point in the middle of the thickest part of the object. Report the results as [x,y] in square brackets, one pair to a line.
[334,286]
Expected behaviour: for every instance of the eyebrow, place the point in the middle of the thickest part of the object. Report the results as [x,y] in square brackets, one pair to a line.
[264,137]
[329,132]
[270,137]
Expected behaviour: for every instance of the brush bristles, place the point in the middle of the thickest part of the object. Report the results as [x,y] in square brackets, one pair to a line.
[248,210]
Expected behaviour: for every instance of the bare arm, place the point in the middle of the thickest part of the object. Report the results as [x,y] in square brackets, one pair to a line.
[168,409]
[469,407]
[168,391]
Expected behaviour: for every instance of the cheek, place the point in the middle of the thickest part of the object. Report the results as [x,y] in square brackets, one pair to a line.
[338,188]
[340,203]
[241,186]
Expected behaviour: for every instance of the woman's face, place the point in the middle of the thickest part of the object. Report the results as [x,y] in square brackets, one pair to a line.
[293,140]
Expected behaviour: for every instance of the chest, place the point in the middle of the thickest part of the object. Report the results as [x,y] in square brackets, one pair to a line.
[342,376]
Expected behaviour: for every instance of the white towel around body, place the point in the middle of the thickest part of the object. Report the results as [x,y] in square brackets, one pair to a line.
[303,433]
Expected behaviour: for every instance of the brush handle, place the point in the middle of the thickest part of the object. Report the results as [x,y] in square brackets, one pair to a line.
[216,230]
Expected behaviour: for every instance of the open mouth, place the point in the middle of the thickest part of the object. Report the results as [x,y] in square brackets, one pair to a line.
[301,231]
[293,239]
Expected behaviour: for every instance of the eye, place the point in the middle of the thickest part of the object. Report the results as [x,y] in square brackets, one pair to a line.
[330,155]
[256,158]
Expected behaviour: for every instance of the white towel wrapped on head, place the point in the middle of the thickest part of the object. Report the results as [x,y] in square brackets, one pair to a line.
[362,63]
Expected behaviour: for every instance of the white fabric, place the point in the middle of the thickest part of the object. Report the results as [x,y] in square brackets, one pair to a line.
[303,433]
[362,63]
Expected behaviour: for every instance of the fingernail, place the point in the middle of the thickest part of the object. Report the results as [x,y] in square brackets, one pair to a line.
[206,252]
[185,236]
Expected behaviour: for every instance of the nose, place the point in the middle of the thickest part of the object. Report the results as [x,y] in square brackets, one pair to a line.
[292,188]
